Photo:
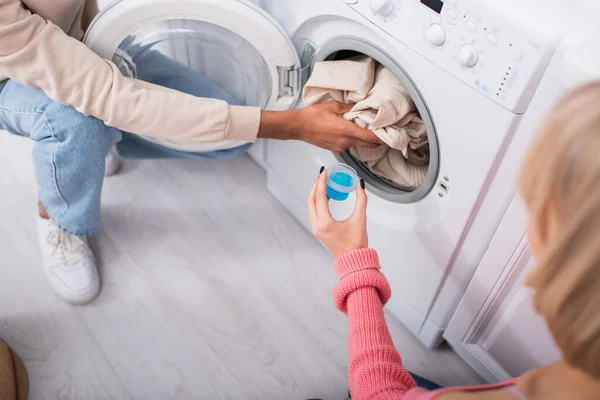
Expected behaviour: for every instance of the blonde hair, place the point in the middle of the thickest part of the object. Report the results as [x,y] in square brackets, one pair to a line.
[561,176]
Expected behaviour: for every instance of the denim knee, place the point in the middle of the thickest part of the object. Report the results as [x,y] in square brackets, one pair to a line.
[69,126]
[69,158]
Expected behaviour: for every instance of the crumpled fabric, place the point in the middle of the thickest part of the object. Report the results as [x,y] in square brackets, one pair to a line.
[383,106]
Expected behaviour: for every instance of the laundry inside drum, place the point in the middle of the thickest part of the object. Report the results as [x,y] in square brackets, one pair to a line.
[382,96]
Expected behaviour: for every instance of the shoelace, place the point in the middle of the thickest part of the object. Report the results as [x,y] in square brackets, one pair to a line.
[72,248]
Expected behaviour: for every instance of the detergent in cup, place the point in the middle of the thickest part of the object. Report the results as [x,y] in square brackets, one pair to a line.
[341,181]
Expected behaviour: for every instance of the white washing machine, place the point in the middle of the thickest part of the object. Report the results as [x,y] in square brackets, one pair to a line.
[471,67]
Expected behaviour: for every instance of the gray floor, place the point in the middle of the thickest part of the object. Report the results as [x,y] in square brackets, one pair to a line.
[210,291]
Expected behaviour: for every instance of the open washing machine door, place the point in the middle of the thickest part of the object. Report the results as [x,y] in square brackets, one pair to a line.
[227,49]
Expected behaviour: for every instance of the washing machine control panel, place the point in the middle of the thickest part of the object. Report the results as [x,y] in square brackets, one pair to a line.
[477,42]
[384,8]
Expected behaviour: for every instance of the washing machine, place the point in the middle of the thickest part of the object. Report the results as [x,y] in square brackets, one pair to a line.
[470,66]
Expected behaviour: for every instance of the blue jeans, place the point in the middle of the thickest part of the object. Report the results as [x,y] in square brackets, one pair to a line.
[70,148]
[154,67]
[425,383]
[421,382]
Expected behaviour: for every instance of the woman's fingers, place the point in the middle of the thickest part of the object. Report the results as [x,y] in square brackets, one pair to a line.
[360,210]
[321,200]
[312,207]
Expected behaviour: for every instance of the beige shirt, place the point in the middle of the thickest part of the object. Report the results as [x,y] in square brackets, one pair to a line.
[40,47]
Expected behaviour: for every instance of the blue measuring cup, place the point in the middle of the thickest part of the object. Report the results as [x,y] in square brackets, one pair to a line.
[341,181]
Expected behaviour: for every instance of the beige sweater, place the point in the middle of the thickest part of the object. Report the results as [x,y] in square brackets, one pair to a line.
[40,47]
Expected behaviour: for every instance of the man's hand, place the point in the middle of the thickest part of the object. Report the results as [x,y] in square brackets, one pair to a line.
[319,124]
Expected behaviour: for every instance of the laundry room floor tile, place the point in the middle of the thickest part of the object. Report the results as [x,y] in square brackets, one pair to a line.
[211,290]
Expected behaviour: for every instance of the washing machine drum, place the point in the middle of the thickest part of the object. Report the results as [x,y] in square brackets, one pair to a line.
[397,177]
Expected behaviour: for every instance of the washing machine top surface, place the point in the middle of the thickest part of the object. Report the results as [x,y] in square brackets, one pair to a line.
[556,18]
[499,48]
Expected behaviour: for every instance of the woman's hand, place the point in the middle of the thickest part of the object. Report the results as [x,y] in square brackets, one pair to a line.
[338,237]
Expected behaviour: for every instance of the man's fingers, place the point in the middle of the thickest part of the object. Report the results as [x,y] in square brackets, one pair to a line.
[356,132]
[351,130]
[363,144]
[321,200]
[337,107]
[344,108]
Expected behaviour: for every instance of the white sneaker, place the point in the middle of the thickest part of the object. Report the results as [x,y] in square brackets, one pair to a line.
[113,162]
[69,263]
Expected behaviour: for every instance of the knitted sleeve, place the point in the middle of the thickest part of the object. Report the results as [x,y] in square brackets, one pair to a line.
[375,370]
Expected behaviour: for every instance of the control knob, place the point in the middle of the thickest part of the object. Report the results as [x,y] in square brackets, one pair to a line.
[436,35]
[385,8]
[468,56]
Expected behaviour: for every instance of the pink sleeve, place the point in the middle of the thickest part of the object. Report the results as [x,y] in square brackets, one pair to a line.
[375,370]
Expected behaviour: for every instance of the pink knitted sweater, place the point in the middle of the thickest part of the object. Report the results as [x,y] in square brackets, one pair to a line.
[375,371]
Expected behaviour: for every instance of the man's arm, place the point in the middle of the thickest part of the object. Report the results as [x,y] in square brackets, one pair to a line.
[38,54]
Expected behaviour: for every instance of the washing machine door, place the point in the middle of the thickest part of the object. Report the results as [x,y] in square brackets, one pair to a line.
[226,49]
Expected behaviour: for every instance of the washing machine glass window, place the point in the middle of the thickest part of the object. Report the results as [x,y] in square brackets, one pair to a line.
[198,58]
[348,48]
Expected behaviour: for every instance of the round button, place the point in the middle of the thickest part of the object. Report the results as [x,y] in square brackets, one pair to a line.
[471,26]
[468,56]
[516,55]
[450,15]
[436,35]
[385,8]
[492,40]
